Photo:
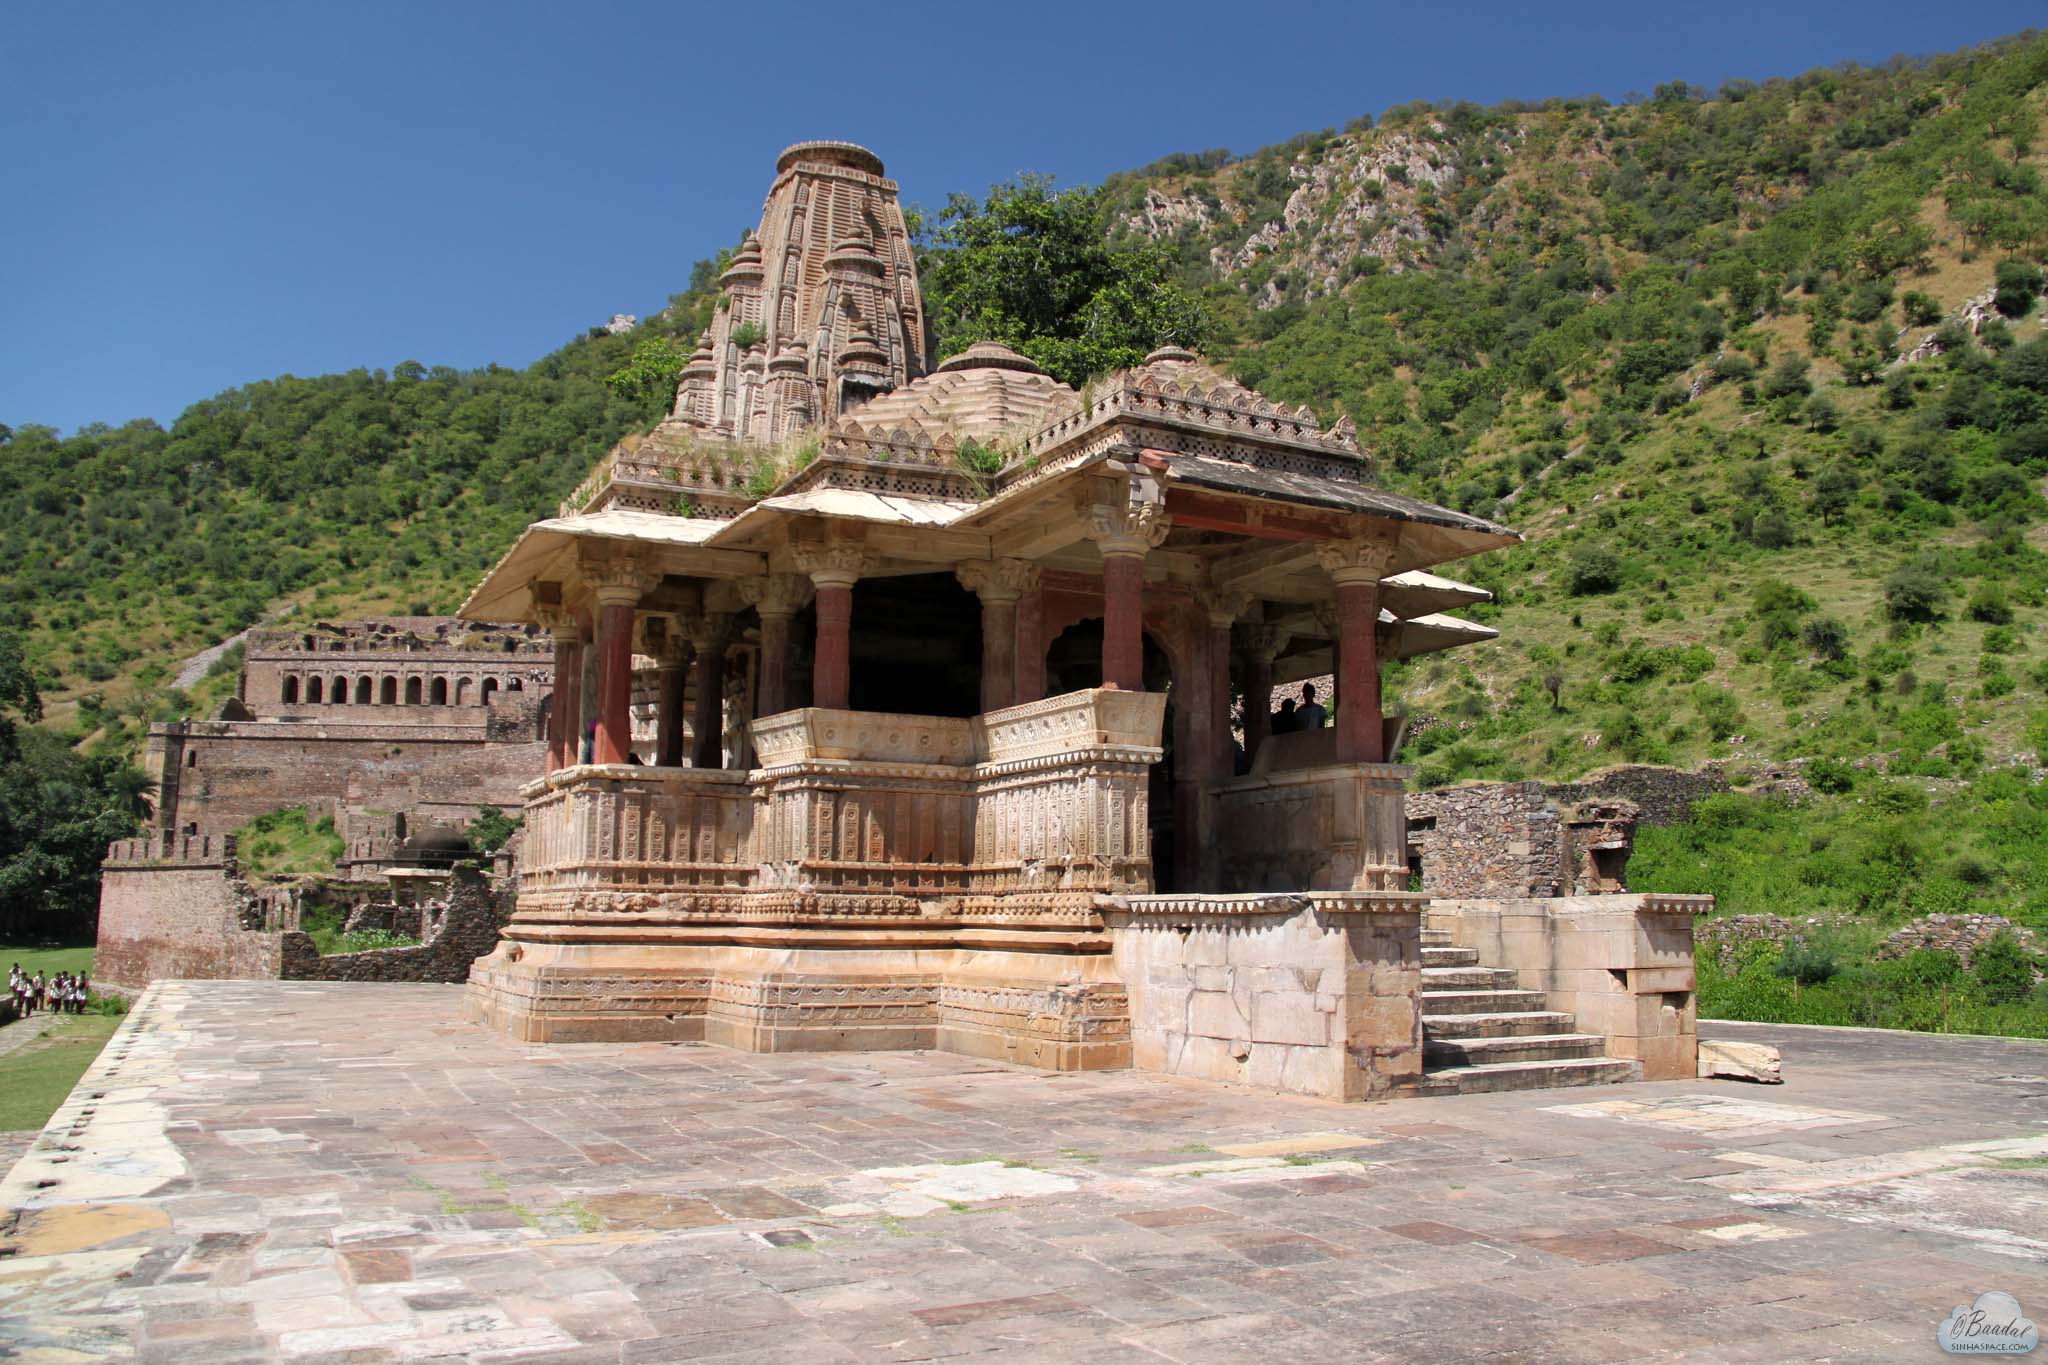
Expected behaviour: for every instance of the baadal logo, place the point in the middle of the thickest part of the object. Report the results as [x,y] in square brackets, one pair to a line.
[1992,1326]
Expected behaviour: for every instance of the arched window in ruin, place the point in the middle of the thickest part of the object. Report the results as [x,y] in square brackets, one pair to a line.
[438,695]
[515,686]
[362,691]
[338,693]
[462,691]
[412,691]
[290,693]
[313,686]
[192,760]
[387,692]
[490,690]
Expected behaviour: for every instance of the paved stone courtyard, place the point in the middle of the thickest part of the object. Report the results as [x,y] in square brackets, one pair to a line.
[348,1172]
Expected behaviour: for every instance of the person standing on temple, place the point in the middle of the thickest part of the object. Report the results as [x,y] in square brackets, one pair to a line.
[1285,721]
[1310,715]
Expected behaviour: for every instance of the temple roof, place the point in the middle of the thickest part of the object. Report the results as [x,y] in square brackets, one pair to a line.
[986,391]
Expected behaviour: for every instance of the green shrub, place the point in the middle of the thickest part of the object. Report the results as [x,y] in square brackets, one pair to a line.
[1806,962]
[2003,970]
[2018,284]
[1988,604]
[1915,591]
[1594,569]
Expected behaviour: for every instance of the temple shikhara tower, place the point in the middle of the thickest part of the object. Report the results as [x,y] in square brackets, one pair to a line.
[900,703]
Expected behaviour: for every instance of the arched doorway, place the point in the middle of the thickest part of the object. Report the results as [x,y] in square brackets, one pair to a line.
[1074,661]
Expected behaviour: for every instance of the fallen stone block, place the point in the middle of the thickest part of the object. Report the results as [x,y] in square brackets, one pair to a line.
[1741,1061]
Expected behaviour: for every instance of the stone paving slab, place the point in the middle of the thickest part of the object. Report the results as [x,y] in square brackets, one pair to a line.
[328,1171]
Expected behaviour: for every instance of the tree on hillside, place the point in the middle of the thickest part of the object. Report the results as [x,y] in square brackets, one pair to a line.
[59,809]
[1032,268]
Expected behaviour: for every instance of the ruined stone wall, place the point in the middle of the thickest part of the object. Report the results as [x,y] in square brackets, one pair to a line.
[1487,839]
[1663,795]
[178,908]
[465,930]
[1725,936]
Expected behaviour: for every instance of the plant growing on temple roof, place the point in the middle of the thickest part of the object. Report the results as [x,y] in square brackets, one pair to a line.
[748,335]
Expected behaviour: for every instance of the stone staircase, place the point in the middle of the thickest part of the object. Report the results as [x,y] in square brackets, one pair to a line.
[1481,1033]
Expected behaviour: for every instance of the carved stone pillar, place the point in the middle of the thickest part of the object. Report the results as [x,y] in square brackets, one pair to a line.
[999,583]
[1259,646]
[1124,534]
[1030,647]
[833,570]
[672,650]
[1356,567]
[565,708]
[619,585]
[776,598]
[707,720]
[1222,607]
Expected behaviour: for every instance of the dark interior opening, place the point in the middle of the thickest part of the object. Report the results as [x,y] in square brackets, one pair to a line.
[1073,662]
[916,646]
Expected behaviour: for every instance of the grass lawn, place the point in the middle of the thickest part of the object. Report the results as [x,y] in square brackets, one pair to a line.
[35,1078]
[49,959]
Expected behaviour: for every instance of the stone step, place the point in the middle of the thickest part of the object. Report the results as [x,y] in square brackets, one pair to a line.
[1480,1002]
[1540,1047]
[1436,938]
[1506,1024]
[1468,979]
[1450,957]
[1495,1076]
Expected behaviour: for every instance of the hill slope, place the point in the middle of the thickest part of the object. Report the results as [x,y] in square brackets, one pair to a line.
[1656,337]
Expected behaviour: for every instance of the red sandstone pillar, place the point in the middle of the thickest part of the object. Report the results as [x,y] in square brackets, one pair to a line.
[834,569]
[832,661]
[565,706]
[669,706]
[1123,621]
[615,674]
[1355,567]
[707,721]
[999,583]
[775,598]
[1030,663]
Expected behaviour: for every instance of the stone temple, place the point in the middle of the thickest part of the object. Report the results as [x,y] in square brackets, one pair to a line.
[939,669]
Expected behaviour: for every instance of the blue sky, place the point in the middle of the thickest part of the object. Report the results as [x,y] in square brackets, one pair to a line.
[198,195]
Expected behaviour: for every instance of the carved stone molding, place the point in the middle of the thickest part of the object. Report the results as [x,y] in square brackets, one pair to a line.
[998,580]
[777,594]
[832,566]
[1129,530]
[1363,559]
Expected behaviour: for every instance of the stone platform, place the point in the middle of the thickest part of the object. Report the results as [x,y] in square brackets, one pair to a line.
[257,1170]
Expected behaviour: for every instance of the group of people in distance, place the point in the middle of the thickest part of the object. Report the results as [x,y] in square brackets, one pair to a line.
[60,994]
[1309,715]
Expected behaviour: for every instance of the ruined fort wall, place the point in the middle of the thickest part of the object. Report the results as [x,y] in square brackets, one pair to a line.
[1487,839]
[176,909]
[216,776]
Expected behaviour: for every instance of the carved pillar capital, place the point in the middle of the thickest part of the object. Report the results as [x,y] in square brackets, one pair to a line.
[1361,559]
[777,594]
[619,580]
[1128,530]
[1224,605]
[559,622]
[832,566]
[998,580]
[1261,642]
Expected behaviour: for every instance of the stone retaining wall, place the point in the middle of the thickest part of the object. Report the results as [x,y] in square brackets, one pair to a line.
[1311,994]
[1962,935]
[456,937]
